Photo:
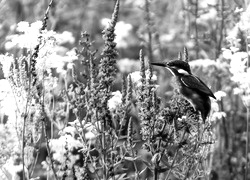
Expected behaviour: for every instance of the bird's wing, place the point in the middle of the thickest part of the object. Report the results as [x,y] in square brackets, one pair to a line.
[194,82]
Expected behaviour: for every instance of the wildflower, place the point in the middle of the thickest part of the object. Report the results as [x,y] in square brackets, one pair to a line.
[69,130]
[166,38]
[244,23]
[72,54]
[115,101]
[22,26]
[238,90]
[246,100]
[219,95]
[5,61]
[29,37]
[238,10]
[216,114]
[58,147]
[13,170]
[227,54]
[137,3]
[91,131]
[136,77]
[214,106]
[202,63]
[238,62]
[65,37]
[7,99]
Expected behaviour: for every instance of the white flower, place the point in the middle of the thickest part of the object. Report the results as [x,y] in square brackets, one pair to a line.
[6,61]
[65,37]
[70,130]
[29,38]
[165,38]
[202,63]
[245,20]
[219,95]
[227,54]
[91,131]
[7,100]
[238,90]
[58,147]
[12,170]
[57,61]
[72,54]
[22,26]
[214,106]
[246,100]
[137,3]
[115,101]
[238,10]
[234,49]
[238,62]
[136,77]
[70,65]
[216,114]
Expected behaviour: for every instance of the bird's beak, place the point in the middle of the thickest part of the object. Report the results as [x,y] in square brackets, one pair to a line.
[164,65]
[159,64]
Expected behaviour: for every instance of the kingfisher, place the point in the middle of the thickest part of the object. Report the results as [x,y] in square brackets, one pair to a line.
[193,89]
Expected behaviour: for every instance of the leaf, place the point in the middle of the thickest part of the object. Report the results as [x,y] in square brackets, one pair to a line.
[131,158]
[119,177]
[163,169]
[144,170]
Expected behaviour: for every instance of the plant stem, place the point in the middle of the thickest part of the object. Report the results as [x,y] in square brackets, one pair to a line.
[225,128]
[218,49]
[247,140]
[196,30]
[247,106]
[150,51]
[48,148]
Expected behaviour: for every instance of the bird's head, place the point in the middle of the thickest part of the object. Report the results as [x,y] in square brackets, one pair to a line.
[176,67]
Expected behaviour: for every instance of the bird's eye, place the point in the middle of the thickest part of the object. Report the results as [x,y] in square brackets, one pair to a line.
[182,71]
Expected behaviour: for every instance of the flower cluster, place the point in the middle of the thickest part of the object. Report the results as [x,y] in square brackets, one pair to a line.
[115,101]
[238,56]
[136,77]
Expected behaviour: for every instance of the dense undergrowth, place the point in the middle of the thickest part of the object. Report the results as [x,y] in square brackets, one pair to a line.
[88,119]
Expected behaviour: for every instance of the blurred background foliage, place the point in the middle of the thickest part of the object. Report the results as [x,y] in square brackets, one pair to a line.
[203,26]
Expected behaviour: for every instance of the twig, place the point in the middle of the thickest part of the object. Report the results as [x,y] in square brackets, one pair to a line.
[48,148]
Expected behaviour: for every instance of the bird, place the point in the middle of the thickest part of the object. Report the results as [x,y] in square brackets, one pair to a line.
[192,88]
